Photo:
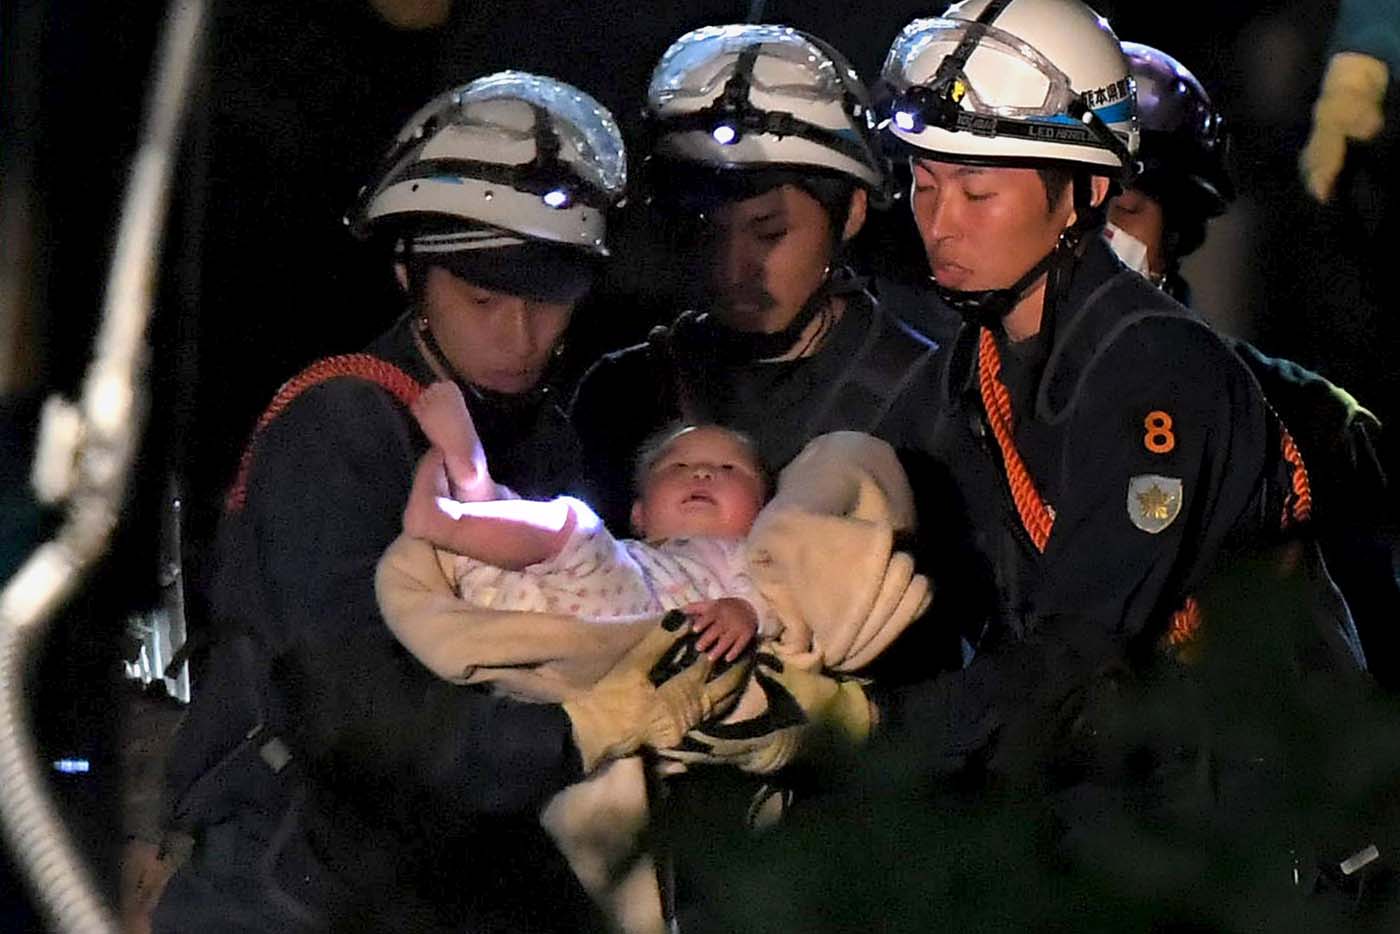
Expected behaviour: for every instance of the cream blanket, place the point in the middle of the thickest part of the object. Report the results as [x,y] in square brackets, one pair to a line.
[821,552]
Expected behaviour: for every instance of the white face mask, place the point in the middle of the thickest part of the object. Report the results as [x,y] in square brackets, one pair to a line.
[1131,250]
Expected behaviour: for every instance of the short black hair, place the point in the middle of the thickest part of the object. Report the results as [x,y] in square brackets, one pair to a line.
[1055,178]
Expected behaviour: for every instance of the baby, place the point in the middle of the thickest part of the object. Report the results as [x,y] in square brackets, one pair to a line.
[832,591]
[699,489]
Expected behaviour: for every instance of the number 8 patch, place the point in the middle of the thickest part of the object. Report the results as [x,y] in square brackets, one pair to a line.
[1159,438]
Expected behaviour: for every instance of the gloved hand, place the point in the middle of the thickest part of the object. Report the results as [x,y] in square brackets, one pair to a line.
[800,703]
[1348,107]
[629,708]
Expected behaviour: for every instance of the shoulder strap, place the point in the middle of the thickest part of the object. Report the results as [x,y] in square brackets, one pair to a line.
[359,365]
[676,378]
[890,356]
[1297,497]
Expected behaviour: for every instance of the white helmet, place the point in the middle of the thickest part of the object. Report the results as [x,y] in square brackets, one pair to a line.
[507,159]
[753,96]
[1014,82]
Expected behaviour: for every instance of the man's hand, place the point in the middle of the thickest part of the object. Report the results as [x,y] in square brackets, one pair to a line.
[145,869]
[625,711]
[801,705]
[727,625]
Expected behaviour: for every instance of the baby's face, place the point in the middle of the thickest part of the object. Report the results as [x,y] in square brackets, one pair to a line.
[705,482]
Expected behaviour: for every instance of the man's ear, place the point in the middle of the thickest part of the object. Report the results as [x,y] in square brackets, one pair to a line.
[401,275]
[1098,187]
[855,217]
[639,519]
[1098,191]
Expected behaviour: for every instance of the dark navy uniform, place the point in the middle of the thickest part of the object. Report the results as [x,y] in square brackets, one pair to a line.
[852,381]
[1339,441]
[408,803]
[919,308]
[1152,451]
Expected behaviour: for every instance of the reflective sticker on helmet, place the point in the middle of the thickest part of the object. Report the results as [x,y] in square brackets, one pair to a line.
[1115,113]
[1109,94]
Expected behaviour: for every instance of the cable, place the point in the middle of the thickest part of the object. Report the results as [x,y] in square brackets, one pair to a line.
[84,458]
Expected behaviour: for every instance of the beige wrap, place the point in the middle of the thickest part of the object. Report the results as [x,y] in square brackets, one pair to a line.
[821,552]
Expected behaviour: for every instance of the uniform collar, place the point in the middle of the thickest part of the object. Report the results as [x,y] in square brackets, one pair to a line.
[1092,272]
[503,413]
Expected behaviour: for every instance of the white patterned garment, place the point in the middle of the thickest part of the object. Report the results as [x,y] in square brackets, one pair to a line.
[598,577]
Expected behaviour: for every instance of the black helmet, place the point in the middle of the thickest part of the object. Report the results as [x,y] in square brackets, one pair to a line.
[1183,149]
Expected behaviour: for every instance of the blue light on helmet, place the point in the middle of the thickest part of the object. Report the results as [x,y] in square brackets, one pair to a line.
[910,121]
[724,134]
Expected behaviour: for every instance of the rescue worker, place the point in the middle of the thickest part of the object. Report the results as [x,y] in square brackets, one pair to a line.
[1159,220]
[1105,445]
[763,160]
[764,154]
[331,782]
[1090,449]
[1183,180]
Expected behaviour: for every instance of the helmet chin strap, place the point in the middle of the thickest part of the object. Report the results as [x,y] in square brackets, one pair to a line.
[736,347]
[989,307]
[498,402]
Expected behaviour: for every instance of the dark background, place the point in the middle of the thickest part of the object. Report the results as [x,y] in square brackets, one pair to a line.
[298,101]
[301,97]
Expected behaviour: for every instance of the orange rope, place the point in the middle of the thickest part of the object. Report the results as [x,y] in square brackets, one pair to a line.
[1297,507]
[402,386]
[1035,515]
[1184,624]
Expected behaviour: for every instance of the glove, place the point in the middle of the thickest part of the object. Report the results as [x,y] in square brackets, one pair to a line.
[800,703]
[903,598]
[652,696]
[1348,107]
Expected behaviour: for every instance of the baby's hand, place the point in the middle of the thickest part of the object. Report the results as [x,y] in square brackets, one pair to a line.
[726,626]
[442,413]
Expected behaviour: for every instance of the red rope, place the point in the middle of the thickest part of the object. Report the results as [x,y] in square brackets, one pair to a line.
[1035,515]
[364,366]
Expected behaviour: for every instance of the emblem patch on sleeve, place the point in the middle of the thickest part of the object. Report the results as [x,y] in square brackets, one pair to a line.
[1153,502]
